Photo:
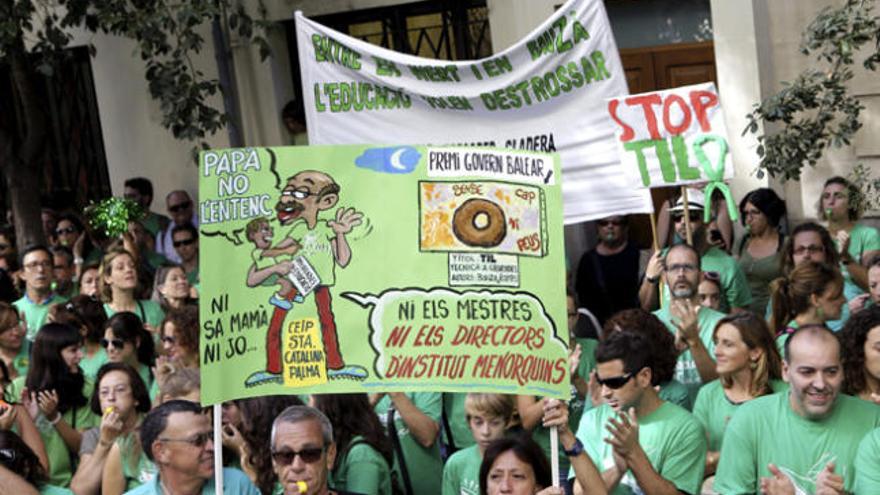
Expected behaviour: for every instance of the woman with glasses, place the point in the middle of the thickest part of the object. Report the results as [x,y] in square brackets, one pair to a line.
[118,285]
[860,347]
[812,294]
[110,456]
[87,314]
[14,348]
[18,457]
[126,341]
[364,455]
[759,251]
[748,365]
[172,289]
[55,393]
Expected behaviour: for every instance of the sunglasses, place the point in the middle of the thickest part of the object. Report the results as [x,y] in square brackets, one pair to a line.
[198,440]
[179,207]
[117,343]
[309,456]
[615,382]
[184,242]
[66,230]
[694,217]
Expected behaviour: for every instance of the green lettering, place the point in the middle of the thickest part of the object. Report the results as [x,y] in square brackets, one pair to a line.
[667,168]
[538,89]
[578,32]
[488,101]
[685,171]
[319,106]
[637,147]
[599,62]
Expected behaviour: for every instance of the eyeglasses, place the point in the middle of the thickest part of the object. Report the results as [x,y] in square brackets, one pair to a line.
[615,382]
[298,194]
[33,265]
[811,249]
[184,242]
[309,456]
[198,440]
[66,230]
[752,213]
[180,207]
[681,267]
[605,223]
[117,343]
[694,217]
[167,339]
[8,455]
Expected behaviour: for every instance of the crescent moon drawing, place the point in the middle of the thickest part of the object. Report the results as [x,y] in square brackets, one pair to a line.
[395,159]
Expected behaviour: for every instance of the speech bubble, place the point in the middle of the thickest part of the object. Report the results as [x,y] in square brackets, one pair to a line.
[468,339]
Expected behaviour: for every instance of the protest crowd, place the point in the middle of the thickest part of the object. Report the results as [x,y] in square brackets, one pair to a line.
[694,369]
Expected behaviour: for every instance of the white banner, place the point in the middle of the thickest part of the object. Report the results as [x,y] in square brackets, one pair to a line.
[672,137]
[545,93]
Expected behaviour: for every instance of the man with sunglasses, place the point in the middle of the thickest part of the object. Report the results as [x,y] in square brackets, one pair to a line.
[736,294]
[303,451]
[37,266]
[639,442]
[691,322]
[608,275]
[178,439]
[185,239]
[180,209]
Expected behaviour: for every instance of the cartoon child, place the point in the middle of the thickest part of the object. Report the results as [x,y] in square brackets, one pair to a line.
[271,266]
[323,245]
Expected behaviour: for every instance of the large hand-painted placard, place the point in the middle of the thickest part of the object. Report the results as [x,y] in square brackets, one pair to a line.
[672,137]
[545,93]
[331,269]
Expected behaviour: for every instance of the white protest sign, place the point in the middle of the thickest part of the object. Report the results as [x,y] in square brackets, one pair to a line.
[672,137]
[545,93]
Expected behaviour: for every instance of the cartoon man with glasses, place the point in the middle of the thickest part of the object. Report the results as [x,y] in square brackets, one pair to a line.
[320,245]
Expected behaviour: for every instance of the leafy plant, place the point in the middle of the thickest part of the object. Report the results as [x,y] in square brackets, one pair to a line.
[816,110]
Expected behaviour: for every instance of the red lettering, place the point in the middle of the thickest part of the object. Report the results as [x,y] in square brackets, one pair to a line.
[685,110]
[647,101]
[628,132]
[702,101]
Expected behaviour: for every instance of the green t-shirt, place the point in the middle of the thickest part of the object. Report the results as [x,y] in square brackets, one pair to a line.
[316,248]
[82,418]
[22,360]
[361,469]
[734,284]
[862,239]
[235,482]
[713,410]
[675,392]
[766,430]
[456,417]
[35,313]
[91,365]
[155,223]
[54,490]
[261,262]
[686,370]
[148,311]
[461,474]
[670,436]
[868,464]
[137,469]
[424,465]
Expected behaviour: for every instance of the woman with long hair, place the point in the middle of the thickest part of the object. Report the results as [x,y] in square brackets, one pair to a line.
[257,415]
[88,280]
[55,392]
[760,249]
[87,314]
[171,288]
[18,457]
[179,337]
[126,341]
[14,348]
[860,347]
[811,294]
[118,287]
[842,205]
[748,367]
[110,457]
[364,455]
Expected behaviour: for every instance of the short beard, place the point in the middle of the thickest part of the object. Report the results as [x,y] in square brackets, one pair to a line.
[683,294]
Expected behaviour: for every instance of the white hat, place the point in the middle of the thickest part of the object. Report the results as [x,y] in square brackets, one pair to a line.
[696,201]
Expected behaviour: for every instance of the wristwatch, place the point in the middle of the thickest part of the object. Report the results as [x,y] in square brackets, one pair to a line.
[652,280]
[576,449]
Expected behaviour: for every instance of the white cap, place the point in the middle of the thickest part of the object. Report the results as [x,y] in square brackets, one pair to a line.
[696,201]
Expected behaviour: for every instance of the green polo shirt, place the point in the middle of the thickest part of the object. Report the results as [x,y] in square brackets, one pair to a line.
[35,312]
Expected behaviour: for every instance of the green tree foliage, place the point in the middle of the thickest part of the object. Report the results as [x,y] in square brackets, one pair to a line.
[815,110]
[168,33]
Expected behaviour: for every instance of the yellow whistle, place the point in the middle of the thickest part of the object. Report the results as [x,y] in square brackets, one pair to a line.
[108,410]
[302,486]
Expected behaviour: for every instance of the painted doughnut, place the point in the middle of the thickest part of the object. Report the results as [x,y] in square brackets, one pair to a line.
[480,223]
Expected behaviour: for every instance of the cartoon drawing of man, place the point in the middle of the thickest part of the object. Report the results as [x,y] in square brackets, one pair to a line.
[323,245]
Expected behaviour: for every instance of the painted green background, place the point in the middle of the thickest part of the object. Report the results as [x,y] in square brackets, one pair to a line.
[385,256]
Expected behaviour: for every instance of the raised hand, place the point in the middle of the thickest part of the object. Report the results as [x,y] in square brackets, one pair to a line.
[624,431]
[346,219]
[7,417]
[47,401]
[574,359]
